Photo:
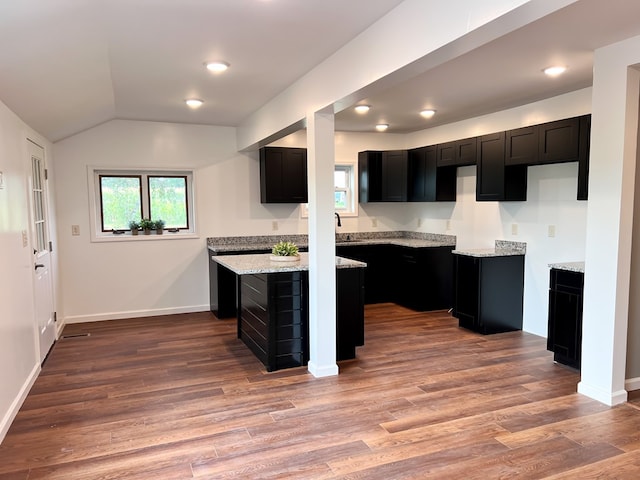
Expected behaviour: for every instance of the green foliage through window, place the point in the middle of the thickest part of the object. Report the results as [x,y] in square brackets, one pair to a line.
[168,200]
[121,201]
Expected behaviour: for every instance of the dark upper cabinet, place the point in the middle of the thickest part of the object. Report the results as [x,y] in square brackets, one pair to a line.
[394,176]
[458,153]
[369,176]
[522,146]
[283,175]
[583,157]
[382,176]
[426,181]
[494,180]
[559,141]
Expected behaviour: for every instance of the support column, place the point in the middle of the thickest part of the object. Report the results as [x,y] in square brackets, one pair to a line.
[322,245]
[610,221]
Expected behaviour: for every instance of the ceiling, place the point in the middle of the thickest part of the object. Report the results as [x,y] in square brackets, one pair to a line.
[68,65]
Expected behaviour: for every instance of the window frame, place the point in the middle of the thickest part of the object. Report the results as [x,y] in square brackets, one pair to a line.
[351,189]
[95,173]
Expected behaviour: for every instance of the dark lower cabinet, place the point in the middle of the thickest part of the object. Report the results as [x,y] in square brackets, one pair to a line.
[564,337]
[417,278]
[488,293]
[273,318]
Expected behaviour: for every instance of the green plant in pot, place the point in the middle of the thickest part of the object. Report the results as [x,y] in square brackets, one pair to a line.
[134,226]
[285,251]
[159,226]
[147,225]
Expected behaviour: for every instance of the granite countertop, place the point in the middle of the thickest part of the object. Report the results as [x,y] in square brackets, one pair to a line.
[503,248]
[265,243]
[569,266]
[261,263]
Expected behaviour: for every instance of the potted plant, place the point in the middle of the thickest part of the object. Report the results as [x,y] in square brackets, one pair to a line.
[134,226]
[285,252]
[146,225]
[159,226]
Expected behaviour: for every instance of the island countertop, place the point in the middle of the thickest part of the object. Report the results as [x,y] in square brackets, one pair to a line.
[261,263]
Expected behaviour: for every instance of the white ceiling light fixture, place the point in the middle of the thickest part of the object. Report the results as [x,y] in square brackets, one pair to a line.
[555,70]
[428,113]
[381,127]
[194,102]
[362,109]
[217,67]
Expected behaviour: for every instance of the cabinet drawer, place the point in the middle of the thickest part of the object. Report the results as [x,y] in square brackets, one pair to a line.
[567,281]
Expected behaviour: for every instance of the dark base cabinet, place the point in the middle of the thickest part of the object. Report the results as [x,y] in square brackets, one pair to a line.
[564,337]
[273,319]
[488,293]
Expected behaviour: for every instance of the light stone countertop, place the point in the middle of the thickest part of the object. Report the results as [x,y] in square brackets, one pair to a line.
[503,248]
[569,266]
[261,263]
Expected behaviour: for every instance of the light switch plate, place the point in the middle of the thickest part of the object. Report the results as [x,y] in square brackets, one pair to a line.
[514,229]
[75,230]
[1,180]
[25,239]
[551,231]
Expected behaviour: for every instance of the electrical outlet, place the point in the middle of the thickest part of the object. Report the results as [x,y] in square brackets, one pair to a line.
[514,229]
[374,222]
[75,230]
[448,224]
[551,231]
[274,225]
[419,222]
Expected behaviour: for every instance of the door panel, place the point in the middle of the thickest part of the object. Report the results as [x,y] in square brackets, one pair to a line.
[43,283]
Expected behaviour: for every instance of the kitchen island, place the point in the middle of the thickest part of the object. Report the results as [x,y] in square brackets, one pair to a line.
[272,307]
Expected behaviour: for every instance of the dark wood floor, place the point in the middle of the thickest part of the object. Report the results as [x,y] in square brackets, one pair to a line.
[180,397]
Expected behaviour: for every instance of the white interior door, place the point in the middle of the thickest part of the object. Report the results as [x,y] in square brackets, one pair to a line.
[43,282]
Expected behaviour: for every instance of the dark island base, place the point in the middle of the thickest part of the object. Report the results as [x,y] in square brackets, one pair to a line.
[273,318]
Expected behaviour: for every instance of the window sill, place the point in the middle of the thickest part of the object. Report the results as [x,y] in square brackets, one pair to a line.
[127,237]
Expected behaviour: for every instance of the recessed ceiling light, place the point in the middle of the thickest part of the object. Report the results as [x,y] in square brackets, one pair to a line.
[381,127]
[555,70]
[428,113]
[194,102]
[362,108]
[216,67]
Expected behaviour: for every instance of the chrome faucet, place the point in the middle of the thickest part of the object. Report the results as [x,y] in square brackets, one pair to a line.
[339,222]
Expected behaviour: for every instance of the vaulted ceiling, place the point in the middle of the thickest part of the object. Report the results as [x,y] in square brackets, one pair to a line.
[68,65]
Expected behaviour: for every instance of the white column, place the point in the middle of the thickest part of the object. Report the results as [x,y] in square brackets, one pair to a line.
[322,245]
[610,221]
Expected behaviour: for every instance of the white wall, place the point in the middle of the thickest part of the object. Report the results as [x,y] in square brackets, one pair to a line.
[19,354]
[124,279]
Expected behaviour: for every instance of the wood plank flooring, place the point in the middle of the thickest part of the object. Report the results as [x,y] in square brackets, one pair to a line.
[179,397]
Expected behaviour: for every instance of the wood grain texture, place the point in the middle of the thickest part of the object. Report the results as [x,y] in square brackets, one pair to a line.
[180,397]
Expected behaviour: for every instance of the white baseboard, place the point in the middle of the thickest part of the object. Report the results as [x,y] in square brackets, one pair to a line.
[18,401]
[322,371]
[98,317]
[631,384]
[602,396]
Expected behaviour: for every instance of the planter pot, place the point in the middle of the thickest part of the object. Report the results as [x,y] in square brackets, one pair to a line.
[159,231]
[147,231]
[134,231]
[280,258]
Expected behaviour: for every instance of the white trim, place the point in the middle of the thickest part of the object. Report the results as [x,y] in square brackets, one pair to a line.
[631,384]
[324,371]
[608,398]
[18,401]
[99,317]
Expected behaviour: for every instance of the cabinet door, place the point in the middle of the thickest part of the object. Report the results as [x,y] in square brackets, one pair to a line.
[583,157]
[522,146]
[565,326]
[394,176]
[559,141]
[490,180]
[422,174]
[458,153]
[283,175]
[369,176]
[466,294]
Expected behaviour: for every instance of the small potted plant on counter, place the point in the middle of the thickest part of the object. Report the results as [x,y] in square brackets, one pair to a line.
[134,226]
[147,225]
[159,225]
[285,252]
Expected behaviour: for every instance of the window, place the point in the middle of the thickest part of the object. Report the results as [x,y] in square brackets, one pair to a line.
[123,196]
[344,184]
